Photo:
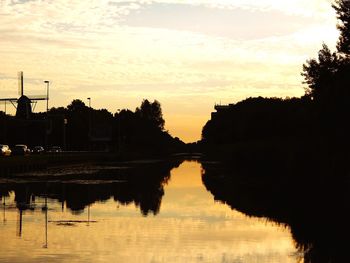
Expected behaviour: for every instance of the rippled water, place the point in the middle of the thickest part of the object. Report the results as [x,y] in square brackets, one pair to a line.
[188,226]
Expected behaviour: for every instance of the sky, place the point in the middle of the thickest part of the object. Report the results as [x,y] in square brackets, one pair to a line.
[188,55]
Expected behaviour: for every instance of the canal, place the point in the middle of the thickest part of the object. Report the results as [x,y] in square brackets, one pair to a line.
[173,218]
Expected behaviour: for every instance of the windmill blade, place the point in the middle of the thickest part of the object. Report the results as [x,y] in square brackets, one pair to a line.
[37,97]
[12,101]
[20,84]
[8,100]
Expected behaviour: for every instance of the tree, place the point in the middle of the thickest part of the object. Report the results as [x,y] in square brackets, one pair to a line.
[319,73]
[78,126]
[76,106]
[342,8]
[151,112]
[328,79]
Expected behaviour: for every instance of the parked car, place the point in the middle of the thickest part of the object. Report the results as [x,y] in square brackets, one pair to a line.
[5,150]
[38,150]
[55,149]
[21,149]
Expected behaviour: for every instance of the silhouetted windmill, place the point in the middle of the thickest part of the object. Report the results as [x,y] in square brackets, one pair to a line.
[24,104]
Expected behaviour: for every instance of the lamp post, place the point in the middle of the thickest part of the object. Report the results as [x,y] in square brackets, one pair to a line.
[47,111]
[65,121]
[47,94]
[90,123]
[119,133]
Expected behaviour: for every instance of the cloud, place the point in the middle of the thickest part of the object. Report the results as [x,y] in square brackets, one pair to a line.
[232,23]
[296,7]
[188,55]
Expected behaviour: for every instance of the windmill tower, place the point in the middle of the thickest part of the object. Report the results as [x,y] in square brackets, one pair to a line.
[24,105]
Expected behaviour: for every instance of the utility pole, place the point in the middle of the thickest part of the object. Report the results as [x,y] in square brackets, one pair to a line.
[90,123]
[47,94]
[65,121]
[119,133]
[47,112]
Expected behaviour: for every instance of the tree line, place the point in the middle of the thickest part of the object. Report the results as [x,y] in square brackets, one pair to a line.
[323,112]
[79,127]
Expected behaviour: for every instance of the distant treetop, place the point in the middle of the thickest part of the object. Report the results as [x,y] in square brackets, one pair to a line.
[152,112]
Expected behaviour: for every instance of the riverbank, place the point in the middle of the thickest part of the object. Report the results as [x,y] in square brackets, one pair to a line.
[286,158]
[313,204]
[12,165]
[300,183]
[19,164]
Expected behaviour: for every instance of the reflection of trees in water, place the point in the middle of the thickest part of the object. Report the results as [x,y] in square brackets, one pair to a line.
[315,209]
[140,185]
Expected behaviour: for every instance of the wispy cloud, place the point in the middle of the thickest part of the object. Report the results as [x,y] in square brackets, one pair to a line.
[231,23]
[298,7]
[187,54]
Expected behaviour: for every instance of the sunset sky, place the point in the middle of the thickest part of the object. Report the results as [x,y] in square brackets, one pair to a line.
[189,55]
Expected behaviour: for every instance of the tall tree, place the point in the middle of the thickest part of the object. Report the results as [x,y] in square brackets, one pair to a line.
[78,127]
[342,8]
[319,73]
[328,79]
[151,112]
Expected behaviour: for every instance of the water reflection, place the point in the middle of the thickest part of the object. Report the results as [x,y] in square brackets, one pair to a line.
[105,223]
[142,186]
[316,211]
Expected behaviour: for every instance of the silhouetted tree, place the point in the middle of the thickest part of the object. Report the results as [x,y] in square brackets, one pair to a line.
[258,119]
[143,132]
[58,111]
[151,112]
[328,79]
[76,106]
[78,125]
[319,73]
[342,8]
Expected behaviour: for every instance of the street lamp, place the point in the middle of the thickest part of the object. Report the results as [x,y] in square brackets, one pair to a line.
[65,121]
[47,110]
[119,133]
[47,94]
[90,122]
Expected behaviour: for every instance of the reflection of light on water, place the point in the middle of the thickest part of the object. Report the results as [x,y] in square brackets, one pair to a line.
[45,209]
[88,221]
[191,227]
[4,210]
[205,223]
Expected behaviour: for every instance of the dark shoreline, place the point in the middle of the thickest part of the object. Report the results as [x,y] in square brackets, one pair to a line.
[19,164]
[304,186]
[13,166]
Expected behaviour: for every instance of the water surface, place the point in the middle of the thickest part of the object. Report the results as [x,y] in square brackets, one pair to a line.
[172,219]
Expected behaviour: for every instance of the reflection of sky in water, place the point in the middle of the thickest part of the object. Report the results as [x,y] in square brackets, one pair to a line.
[190,227]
